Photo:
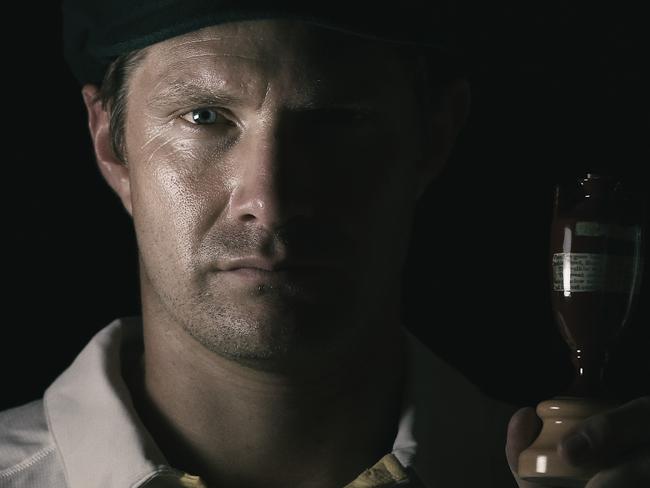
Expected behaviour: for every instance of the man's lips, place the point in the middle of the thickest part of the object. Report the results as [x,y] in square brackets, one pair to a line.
[272,265]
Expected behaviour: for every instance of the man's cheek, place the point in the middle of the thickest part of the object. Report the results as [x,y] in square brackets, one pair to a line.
[171,170]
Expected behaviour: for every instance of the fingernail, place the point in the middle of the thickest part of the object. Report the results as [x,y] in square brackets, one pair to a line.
[577,447]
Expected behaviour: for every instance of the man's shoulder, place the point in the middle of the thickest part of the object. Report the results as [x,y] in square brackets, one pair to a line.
[28,454]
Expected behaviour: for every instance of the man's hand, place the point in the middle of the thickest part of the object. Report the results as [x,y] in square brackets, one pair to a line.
[616,442]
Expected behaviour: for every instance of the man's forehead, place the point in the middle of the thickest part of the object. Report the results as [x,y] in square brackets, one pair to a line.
[275,30]
[269,41]
[240,56]
[212,63]
[242,36]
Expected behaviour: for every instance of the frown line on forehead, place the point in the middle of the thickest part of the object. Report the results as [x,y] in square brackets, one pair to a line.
[221,55]
[205,39]
[170,71]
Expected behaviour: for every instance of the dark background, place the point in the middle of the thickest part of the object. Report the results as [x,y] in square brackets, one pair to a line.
[557,90]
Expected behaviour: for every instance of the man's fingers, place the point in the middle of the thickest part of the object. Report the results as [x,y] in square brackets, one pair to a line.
[523,429]
[634,473]
[606,438]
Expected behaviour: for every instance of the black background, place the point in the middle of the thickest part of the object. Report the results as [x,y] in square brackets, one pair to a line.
[557,89]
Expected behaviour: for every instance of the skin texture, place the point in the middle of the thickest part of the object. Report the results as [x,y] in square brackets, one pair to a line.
[272,382]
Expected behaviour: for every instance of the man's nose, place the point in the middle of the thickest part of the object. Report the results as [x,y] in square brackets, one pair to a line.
[270,179]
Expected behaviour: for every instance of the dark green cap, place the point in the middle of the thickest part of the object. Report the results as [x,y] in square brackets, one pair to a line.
[97,31]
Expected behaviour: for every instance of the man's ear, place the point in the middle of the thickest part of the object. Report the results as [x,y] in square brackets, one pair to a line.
[114,171]
[441,134]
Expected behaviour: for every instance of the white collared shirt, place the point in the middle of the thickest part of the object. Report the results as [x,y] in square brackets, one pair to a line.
[85,432]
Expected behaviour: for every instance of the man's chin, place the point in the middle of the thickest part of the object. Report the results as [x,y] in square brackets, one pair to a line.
[277,346]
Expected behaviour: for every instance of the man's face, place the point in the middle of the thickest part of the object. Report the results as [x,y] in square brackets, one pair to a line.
[272,138]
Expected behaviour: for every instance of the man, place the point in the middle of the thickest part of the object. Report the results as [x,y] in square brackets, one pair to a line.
[271,165]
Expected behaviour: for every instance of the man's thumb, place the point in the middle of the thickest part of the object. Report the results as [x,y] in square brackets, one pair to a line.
[523,429]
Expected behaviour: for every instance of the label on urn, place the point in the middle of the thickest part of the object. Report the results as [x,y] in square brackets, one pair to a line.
[588,272]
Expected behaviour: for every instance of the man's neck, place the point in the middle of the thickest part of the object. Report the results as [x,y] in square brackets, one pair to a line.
[239,427]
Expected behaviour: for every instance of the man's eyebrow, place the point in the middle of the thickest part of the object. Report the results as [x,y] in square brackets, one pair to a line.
[193,94]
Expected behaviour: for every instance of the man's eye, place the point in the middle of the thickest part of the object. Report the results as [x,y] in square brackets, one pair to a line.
[202,116]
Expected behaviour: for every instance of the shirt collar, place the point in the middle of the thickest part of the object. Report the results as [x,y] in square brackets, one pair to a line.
[95,425]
